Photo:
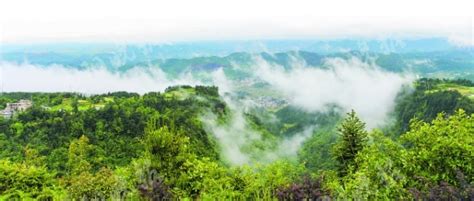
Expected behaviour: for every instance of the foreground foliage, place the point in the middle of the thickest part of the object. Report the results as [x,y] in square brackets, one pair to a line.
[154,147]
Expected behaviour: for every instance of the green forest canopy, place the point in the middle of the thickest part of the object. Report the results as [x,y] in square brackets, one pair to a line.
[154,146]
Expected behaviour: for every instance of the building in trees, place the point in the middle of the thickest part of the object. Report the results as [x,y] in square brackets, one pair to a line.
[12,108]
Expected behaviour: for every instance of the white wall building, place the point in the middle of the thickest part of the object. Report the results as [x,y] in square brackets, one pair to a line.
[12,108]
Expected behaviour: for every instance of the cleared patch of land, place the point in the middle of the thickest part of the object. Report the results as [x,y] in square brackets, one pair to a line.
[464,90]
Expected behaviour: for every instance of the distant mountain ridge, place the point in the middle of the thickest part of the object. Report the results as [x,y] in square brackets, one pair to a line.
[437,60]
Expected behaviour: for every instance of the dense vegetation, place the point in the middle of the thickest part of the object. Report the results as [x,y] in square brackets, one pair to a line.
[431,97]
[156,147]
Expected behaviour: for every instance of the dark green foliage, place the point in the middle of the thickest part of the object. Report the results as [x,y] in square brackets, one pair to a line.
[114,126]
[431,161]
[316,151]
[353,138]
[121,94]
[427,101]
[289,120]
[379,174]
[207,91]
[101,132]
[153,147]
[431,83]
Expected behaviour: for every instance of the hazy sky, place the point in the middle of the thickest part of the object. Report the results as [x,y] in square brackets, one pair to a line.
[24,21]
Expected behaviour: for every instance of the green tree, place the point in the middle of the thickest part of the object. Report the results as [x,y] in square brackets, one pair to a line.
[33,158]
[353,138]
[75,104]
[19,181]
[441,150]
[82,182]
[79,151]
[86,185]
[379,175]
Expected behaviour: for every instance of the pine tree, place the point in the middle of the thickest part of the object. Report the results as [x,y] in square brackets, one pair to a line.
[353,139]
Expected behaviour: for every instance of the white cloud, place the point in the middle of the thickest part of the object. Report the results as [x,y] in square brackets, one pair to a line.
[462,39]
[237,139]
[57,78]
[351,84]
[219,79]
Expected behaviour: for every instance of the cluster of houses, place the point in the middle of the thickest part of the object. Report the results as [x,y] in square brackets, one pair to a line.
[270,102]
[12,108]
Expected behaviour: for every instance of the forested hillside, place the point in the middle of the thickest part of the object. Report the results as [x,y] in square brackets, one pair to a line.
[236,100]
[431,97]
[166,146]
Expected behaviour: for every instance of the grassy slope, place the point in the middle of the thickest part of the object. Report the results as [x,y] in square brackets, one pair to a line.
[464,90]
[83,104]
